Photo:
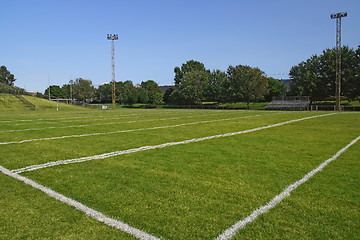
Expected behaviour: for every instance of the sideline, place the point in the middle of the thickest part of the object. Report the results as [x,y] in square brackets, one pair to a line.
[125,131]
[144,148]
[230,232]
[81,207]
[111,123]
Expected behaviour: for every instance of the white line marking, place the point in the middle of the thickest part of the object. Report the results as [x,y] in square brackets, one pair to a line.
[144,148]
[230,232]
[88,211]
[75,119]
[123,131]
[84,117]
[111,123]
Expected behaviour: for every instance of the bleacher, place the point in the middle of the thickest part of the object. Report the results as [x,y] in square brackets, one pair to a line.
[289,103]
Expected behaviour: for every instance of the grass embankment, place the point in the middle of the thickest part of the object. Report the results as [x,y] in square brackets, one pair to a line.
[46,105]
[9,102]
[192,191]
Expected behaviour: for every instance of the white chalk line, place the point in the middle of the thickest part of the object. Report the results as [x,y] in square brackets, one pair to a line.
[124,131]
[112,123]
[86,125]
[99,117]
[80,117]
[230,232]
[75,119]
[81,207]
[144,148]
[52,119]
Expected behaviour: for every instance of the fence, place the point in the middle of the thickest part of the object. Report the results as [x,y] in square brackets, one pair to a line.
[292,98]
[215,107]
[332,108]
[96,106]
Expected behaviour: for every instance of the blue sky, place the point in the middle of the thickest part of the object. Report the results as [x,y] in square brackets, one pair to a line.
[59,40]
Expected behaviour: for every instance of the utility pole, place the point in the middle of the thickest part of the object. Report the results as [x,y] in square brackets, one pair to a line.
[338,17]
[113,37]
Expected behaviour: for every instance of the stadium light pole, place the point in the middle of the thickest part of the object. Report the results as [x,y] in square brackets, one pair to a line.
[338,17]
[49,85]
[113,37]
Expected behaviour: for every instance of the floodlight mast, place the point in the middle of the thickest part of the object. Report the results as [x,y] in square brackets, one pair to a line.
[338,17]
[113,37]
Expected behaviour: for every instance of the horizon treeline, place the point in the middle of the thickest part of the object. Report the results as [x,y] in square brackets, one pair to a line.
[194,84]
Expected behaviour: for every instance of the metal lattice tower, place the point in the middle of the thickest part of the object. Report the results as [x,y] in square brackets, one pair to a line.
[338,17]
[113,37]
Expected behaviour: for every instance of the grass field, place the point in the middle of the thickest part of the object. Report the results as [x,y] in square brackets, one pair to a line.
[171,188]
[9,102]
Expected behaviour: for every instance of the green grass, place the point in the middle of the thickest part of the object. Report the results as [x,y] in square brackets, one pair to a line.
[9,102]
[46,105]
[192,191]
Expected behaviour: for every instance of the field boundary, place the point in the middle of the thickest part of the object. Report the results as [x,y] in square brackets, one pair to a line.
[230,232]
[110,123]
[81,207]
[151,147]
[23,121]
[125,131]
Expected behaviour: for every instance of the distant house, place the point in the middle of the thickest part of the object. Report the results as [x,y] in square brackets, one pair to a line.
[166,87]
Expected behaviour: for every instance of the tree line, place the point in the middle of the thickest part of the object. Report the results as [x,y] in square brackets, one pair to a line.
[147,92]
[195,84]
[316,76]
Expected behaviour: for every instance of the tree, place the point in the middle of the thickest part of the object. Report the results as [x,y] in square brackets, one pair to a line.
[189,66]
[131,96]
[193,86]
[143,96]
[276,88]
[6,77]
[350,64]
[246,84]
[307,78]
[192,81]
[167,94]
[83,90]
[55,92]
[155,96]
[67,90]
[216,89]
[316,76]
[105,93]
[126,92]
[176,97]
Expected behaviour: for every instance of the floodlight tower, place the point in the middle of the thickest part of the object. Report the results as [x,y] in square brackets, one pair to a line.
[338,17]
[113,37]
